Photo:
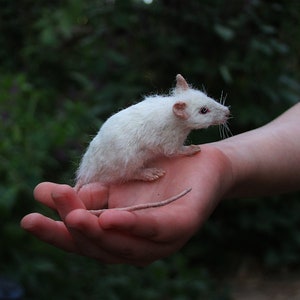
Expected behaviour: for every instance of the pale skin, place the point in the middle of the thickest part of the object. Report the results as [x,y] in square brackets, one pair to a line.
[259,162]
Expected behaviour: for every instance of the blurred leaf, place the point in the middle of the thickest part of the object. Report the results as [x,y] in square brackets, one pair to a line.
[224,32]
[225,74]
[68,65]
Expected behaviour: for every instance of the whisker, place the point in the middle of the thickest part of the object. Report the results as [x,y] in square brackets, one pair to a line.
[228,131]
[223,98]
[220,131]
[224,131]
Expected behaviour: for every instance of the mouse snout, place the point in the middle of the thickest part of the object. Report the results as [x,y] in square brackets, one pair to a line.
[227,113]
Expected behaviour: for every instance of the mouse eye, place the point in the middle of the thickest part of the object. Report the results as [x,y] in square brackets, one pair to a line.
[203,110]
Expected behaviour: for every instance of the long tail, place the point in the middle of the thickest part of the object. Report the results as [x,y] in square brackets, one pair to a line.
[144,205]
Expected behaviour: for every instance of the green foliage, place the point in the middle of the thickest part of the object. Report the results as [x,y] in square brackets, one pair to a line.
[169,279]
[67,65]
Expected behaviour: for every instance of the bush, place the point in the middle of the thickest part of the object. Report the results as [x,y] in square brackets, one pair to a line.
[68,65]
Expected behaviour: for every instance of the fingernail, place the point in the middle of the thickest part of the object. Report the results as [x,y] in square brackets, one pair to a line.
[56,196]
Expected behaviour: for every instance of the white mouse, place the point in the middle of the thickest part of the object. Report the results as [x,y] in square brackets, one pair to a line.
[157,126]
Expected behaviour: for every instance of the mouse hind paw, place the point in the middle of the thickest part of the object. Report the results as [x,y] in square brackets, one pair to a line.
[149,174]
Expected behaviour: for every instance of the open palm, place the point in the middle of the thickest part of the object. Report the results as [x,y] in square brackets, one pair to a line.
[138,237]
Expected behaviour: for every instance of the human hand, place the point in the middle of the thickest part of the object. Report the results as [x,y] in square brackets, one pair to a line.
[138,237]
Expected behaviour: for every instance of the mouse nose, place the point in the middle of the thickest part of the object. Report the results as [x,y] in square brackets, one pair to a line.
[227,113]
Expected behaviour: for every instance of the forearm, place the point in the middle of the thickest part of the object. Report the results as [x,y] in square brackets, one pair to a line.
[266,160]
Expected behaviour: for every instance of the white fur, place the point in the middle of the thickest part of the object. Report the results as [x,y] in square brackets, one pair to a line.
[129,139]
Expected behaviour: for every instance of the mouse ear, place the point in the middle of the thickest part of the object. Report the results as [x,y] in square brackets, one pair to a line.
[180,111]
[181,83]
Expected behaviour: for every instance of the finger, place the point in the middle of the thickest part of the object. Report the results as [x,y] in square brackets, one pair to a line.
[94,195]
[90,238]
[164,224]
[134,250]
[42,192]
[128,221]
[87,233]
[49,231]
[82,220]
[65,200]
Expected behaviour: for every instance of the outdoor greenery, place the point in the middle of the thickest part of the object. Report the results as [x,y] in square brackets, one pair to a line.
[67,65]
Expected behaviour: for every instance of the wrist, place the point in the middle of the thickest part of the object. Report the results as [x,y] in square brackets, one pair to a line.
[224,174]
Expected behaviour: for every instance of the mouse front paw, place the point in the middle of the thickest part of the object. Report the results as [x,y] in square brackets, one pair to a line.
[189,150]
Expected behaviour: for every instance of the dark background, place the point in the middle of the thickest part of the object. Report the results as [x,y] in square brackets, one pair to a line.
[65,66]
